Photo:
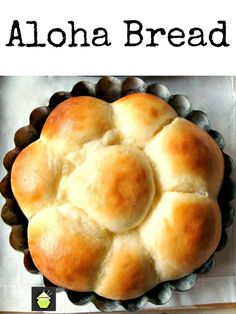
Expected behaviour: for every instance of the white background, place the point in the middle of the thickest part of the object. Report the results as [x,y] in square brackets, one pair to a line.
[117,59]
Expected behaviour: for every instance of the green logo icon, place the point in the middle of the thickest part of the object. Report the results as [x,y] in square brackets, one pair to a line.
[43,300]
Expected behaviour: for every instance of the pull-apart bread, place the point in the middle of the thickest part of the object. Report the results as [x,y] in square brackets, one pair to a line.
[119,196]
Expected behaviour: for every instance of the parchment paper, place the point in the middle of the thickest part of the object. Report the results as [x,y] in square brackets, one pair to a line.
[20,95]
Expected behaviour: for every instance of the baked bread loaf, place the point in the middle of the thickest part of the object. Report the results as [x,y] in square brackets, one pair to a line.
[120,196]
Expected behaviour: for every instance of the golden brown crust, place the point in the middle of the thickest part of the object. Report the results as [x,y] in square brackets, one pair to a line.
[186,159]
[189,229]
[116,200]
[129,271]
[29,171]
[65,249]
[116,187]
[76,121]
[140,116]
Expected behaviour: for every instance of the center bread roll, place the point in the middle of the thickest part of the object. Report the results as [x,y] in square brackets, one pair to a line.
[115,187]
[119,196]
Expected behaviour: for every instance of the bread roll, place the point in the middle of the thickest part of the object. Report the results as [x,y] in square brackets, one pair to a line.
[119,196]
[128,270]
[116,187]
[64,248]
[188,231]
[35,178]
[186,158]
[76,121]
[140,116]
